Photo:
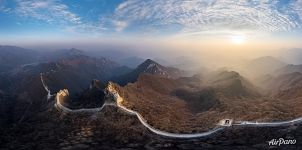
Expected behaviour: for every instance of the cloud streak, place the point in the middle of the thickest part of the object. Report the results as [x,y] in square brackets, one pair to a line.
[3,8]
[206,15]
[49,10]
[164,17]
[57,13]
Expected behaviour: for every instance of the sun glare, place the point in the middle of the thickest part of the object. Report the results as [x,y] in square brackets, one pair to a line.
[238,39]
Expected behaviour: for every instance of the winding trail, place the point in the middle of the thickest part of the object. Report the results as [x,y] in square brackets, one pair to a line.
[45,87]
[118,99]
[65,109]
[268,124]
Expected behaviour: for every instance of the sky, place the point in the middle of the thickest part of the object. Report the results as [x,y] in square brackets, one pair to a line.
[191,24]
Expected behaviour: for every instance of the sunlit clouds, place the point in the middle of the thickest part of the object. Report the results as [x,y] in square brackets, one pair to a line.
[203,15]
[237,24]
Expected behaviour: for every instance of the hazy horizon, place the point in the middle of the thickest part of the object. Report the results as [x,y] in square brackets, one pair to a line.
[224,31]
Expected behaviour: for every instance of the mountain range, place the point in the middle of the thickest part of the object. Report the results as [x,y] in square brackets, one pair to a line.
[168,98]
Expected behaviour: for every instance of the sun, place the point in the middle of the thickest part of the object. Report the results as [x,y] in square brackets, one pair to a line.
[238,39]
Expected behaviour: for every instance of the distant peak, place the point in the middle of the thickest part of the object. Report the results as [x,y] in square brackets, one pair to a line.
[75,51]
[149,61]
[268,58]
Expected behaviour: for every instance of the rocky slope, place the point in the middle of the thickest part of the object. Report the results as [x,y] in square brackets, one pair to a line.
[198,103]
[11,57]
[149,67]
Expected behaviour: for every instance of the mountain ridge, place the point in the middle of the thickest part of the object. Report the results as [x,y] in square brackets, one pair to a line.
[149,67]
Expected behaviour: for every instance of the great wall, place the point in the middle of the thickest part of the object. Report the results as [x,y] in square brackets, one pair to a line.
[63,94]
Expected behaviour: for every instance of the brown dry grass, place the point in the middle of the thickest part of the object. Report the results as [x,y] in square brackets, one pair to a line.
[151,96]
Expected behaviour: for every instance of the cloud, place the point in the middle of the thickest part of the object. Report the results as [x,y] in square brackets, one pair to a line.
[57,13]
[49,10]
[154,17]
[207,15]
[120,25]
[297,7]
[3,8]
